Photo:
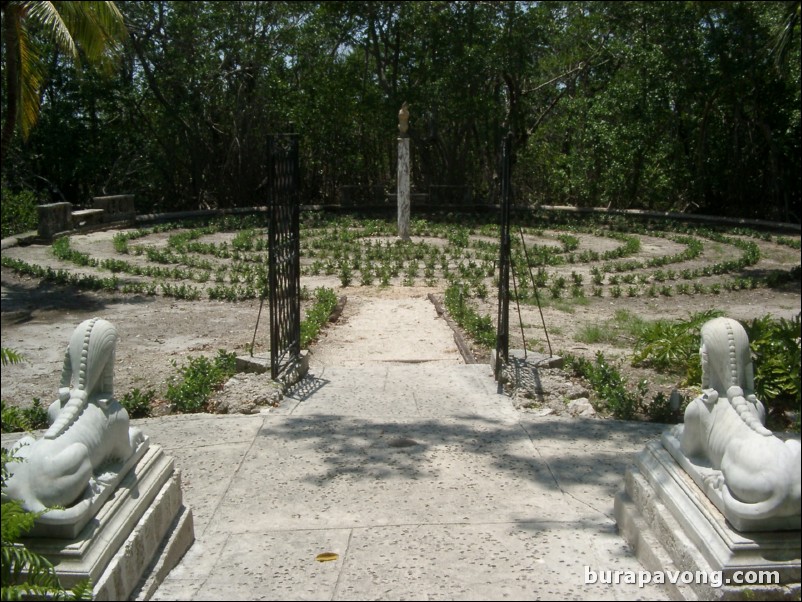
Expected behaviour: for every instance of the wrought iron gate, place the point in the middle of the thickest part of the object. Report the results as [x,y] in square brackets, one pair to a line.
[284,254]
[503,322]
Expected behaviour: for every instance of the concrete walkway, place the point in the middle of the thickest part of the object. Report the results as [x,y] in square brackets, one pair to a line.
[423,481]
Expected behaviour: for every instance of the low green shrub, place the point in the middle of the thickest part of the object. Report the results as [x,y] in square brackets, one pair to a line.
[317,315]
[777,356]
[201,377]
[479,327]
[673,346]
[608,384]
[346,274]
[660,410]
[31,418]
[138,403]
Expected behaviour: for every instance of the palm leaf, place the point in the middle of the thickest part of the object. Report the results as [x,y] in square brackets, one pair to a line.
[9,356]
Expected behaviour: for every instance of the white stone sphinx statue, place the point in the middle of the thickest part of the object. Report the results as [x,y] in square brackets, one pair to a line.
[752,476]
[89,444]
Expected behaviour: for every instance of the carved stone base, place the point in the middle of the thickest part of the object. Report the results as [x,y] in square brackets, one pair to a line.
[120,545]
[673,526]
[260,363]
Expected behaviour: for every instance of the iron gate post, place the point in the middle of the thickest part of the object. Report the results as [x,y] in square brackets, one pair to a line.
[503,321]
[284,277]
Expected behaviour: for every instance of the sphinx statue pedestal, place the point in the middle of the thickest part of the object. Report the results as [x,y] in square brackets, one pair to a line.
[138,535]
[720,494]
[672,525]
[111,502]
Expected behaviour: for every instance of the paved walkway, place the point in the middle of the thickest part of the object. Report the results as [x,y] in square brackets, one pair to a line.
[424,481]
[421,479]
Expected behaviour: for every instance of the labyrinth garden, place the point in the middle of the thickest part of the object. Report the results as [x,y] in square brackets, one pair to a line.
[226,259]
[560,262]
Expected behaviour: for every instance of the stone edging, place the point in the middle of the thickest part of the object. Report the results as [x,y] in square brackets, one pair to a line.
[139,220]
[462,345]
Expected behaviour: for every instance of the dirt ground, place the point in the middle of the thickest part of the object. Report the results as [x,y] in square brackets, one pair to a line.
[157,333]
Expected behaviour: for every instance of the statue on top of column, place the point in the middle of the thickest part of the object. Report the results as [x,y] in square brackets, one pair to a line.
[403,120]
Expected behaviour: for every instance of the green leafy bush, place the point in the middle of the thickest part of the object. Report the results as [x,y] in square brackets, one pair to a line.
[673,346]
[346,274]
[660,409]
[19,213]
[138,403]
[479,327]
[201,377]
[317,315]
[15,419]
[609,385]
[777,356]
[458,237]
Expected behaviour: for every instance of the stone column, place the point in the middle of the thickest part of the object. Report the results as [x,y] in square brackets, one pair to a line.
[54,218]
[403,173]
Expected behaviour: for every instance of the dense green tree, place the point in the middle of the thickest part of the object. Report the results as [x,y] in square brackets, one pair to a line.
[683,106]
[212,83]
[688,112]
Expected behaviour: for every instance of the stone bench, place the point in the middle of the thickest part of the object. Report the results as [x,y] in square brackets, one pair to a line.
[54,218]
[84,218]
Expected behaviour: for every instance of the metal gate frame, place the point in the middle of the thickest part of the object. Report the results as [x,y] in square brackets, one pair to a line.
[503,321]
[284,277]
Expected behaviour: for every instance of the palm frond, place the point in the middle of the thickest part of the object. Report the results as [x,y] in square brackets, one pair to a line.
[9,356]
[50,17]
